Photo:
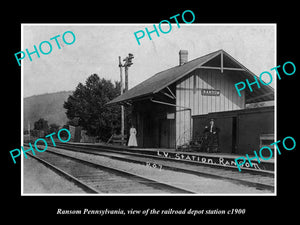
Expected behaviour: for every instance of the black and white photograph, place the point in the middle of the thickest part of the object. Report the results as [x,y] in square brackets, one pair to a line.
[151,112]
[165,114]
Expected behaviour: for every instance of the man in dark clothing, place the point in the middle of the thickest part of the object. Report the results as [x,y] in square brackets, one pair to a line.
[211,133]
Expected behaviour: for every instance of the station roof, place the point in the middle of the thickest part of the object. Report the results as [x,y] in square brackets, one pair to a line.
[163,79]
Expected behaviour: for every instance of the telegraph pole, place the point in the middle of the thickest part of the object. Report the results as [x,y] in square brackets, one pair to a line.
[126,78]
[128,63]
[29,130]
[122,107]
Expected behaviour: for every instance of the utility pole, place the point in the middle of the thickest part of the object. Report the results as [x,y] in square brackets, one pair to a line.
[126,78]
[122,107]
[29,130]
[128,63]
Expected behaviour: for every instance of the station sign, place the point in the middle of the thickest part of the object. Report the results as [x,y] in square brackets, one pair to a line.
[210,92]
[170,116]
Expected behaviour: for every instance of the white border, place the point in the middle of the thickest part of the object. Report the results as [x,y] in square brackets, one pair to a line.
[22,112]
[137,24]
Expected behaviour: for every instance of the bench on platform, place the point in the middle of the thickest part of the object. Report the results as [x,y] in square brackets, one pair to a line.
[118,139]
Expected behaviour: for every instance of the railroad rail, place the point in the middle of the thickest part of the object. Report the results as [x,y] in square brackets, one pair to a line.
[97,178]
[262,181]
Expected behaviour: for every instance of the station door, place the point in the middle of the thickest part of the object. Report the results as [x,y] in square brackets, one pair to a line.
[167,133]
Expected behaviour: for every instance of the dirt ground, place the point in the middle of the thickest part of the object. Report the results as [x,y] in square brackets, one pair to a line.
[38,179]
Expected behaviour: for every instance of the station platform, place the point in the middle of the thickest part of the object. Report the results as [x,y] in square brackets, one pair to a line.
[216,159]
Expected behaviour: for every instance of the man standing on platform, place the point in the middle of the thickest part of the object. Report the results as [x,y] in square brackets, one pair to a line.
[212,134]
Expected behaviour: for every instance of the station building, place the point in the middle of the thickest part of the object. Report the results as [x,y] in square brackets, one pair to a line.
[173,106]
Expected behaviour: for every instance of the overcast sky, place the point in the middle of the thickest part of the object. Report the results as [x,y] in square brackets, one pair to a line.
[98,46]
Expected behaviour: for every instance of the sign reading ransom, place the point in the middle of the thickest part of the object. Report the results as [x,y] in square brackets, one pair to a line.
[210,92]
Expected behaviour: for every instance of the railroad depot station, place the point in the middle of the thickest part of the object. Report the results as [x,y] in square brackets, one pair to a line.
[172,108]
[170,112]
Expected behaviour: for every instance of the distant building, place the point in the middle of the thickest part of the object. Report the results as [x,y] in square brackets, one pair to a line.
[174,105]
[75,132]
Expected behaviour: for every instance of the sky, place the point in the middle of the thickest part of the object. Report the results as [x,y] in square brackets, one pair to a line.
[97,47]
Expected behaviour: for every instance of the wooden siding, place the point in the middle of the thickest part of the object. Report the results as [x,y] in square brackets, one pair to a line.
[188,95]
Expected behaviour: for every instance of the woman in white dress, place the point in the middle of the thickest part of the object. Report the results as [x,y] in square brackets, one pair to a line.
[132,138]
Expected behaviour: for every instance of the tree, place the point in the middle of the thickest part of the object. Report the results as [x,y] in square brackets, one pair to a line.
[53,128]
[41,124]
[87,107]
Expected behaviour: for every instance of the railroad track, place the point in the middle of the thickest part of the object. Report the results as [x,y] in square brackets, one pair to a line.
[261,181]
[97,178]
